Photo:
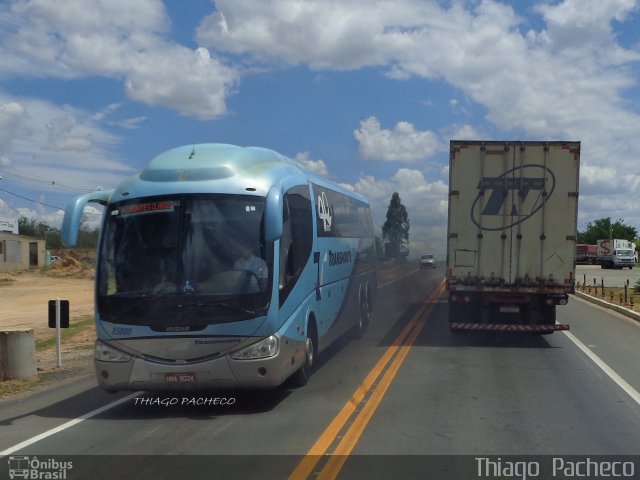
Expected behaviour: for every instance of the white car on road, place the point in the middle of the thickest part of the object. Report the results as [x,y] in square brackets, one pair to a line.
[427,261]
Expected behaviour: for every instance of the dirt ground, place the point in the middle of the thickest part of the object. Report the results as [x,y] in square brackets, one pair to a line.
[24,298]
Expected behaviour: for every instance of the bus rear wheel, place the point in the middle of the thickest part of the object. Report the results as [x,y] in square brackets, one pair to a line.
[364,315]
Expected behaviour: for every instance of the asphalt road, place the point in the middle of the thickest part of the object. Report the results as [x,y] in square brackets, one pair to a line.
[408,400]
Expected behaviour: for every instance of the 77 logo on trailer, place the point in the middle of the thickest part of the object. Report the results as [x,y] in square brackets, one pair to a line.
[513,197]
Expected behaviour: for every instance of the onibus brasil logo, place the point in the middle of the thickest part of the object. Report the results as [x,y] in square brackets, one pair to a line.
[21,466]
[513,197]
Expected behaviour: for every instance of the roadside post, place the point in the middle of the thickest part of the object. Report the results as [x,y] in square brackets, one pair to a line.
[58,318]
[17,353]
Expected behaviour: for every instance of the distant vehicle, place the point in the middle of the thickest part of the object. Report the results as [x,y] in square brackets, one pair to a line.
[427,261]
[616,253]
[222,267]
[511,233]
[54,258]
[586,254]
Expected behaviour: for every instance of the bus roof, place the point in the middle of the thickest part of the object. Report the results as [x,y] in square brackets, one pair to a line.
[218,167]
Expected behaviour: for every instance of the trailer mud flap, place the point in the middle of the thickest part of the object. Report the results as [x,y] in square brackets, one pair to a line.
[508,327]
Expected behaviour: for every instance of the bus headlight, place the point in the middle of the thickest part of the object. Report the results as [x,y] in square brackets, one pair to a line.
[106,353]
[267,347]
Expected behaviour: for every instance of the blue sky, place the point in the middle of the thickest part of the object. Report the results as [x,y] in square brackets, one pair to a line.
[366,93]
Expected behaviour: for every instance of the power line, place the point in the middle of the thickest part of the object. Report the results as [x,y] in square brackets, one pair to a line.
[30,200]
[42,181]
[39,203]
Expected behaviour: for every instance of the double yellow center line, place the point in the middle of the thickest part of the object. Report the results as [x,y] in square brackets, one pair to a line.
[351,421]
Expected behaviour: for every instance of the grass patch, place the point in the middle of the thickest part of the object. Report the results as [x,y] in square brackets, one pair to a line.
[9,388]
[75,327]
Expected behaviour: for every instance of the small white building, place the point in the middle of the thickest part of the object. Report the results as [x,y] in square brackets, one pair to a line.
[18,252]
[8,225]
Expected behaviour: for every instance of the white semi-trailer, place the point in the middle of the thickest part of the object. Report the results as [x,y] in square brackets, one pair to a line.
[511,233]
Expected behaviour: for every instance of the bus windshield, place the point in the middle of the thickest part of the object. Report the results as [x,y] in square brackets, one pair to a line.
[184,261]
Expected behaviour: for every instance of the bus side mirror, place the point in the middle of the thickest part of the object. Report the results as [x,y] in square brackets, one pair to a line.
[273,214]
[73,214]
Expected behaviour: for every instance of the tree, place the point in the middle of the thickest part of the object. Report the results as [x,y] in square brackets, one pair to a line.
[32,228]
[396,228]
[88,239]
[604,228]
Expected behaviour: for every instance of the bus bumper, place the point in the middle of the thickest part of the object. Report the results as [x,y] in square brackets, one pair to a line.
[219,373]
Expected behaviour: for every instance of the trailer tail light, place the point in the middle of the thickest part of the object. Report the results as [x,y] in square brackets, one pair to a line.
[460,299]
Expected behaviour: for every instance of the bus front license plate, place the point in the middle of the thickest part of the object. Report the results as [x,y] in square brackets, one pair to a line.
[510,309]
[180,377]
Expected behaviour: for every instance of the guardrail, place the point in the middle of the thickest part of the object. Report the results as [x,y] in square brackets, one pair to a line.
[619,299]
[624,296]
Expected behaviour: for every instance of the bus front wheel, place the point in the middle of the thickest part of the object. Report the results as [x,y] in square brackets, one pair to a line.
[301,377]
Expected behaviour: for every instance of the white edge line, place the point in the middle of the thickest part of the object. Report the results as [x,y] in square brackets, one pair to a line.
[69,424]
[632,392]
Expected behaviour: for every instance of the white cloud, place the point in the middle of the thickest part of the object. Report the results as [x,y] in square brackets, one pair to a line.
[542,84]
[12,116]
[62,136]
[403,143]
[565,80]
[426,204]
[106,114]
[119,39]
[571,22]
[319,167]
[191,82]
[332,34]
[59,144]
[463,132]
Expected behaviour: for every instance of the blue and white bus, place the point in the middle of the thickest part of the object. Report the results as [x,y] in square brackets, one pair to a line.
[224,267]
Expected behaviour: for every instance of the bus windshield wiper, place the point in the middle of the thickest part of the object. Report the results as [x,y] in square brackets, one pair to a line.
[227,305]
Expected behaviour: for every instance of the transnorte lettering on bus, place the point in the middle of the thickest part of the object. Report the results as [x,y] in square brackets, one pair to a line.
[338,258]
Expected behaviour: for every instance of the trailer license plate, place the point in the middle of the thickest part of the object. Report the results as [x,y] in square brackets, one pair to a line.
[180,377]
[509,309]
